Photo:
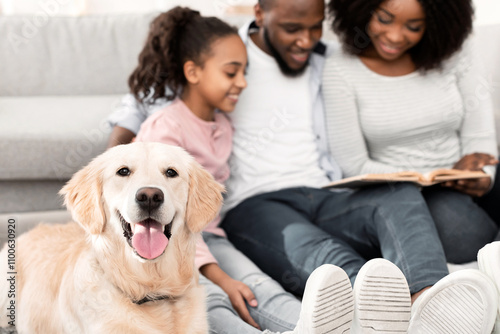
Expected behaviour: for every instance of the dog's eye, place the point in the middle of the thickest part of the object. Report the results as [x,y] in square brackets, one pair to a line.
[123,171]
[171,173]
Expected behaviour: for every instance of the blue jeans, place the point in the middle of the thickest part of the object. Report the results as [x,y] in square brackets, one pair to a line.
[277,309]
[463,226]
[489,202]
[289,233]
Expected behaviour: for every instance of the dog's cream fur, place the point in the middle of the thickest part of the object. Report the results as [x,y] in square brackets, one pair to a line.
[85,280]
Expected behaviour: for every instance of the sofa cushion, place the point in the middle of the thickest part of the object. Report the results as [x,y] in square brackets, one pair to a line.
[52,137]
[26,221]
[84,55]
[30,195]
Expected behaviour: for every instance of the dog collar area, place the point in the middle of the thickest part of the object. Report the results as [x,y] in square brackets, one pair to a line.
[150,299]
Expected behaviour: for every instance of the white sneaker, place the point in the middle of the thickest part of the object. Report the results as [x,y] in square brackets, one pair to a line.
[327,305]
[382,301]
[488,259]
[462,302]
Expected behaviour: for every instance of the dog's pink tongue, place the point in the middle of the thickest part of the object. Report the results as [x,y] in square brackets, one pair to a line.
[149,240]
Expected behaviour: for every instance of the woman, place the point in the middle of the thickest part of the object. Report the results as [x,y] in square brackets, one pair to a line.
[406,94]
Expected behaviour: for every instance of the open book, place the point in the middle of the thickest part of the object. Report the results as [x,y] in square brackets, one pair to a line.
[428,179]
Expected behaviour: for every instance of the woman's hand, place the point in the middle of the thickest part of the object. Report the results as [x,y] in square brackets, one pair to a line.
[238,292]
[473,162]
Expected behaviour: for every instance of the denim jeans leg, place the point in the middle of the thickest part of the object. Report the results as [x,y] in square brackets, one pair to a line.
[276,232]
[277,309]
[489,202]
[463,226]
[222,318]
[393,219]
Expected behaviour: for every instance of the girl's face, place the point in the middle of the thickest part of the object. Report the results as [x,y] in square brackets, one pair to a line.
[395,27]
[222,75]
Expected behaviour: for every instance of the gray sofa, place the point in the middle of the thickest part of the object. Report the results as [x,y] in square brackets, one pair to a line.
[59,83]
[59,80]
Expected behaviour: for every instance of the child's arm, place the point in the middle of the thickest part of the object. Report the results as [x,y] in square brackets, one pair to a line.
[237,291]
[165,130]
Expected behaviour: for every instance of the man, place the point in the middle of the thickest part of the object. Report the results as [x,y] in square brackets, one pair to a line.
[276,211]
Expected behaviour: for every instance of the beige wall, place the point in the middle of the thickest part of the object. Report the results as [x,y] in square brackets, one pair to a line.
[487,11]
[78,7]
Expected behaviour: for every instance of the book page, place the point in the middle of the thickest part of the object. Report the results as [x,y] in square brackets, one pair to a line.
[443,172]
[372,179]
[399,176]
[429,179]
[441,175]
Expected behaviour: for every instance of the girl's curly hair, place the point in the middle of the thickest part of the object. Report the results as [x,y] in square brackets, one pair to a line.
[176,36]
[448,23]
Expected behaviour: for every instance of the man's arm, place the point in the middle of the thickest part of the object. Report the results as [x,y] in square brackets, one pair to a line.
[120,136]
[127,118]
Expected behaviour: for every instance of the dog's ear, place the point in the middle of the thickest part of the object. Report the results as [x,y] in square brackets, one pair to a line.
[204,199]
[83,197]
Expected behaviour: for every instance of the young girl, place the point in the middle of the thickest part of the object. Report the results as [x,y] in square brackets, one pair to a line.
[202,61]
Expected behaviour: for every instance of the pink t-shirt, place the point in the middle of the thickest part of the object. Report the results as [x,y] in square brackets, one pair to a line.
[210,143]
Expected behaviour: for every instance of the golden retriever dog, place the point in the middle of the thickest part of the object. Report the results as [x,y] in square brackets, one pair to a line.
[128,265]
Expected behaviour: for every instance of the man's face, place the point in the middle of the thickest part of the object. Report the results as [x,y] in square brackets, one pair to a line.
[290,30]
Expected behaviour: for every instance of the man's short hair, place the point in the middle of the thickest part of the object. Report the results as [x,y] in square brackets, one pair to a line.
[266,4]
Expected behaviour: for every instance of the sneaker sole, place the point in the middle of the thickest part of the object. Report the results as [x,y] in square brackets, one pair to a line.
[328,301]
[382,299]
[487,259]
[462,302]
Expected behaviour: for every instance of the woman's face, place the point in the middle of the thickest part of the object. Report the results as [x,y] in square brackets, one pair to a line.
[395,27]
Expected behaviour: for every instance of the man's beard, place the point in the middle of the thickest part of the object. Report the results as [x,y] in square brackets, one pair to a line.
[285,69]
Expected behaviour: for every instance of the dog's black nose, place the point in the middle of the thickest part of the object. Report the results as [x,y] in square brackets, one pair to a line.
[149,198]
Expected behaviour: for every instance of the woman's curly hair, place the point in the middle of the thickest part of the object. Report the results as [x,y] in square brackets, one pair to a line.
[176,36]
[448,23]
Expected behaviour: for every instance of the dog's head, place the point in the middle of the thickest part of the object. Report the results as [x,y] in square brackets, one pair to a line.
[144,193]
